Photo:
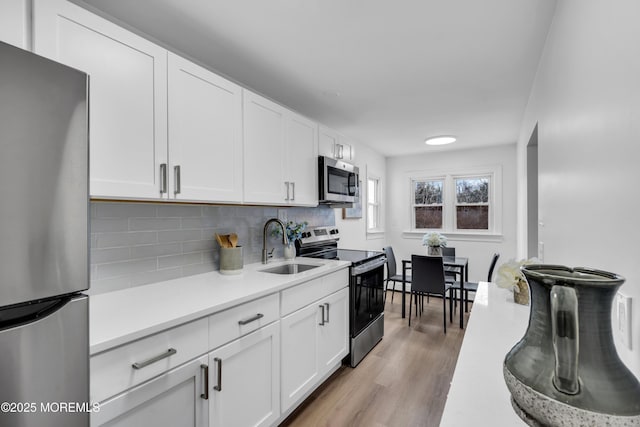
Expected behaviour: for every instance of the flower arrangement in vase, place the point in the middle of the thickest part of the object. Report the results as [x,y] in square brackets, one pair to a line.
[434,242]
[294,232]
[509,276]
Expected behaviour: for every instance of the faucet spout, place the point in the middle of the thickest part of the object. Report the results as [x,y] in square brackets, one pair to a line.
[285,239]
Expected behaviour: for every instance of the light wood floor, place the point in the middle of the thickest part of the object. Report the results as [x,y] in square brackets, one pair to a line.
[404,381]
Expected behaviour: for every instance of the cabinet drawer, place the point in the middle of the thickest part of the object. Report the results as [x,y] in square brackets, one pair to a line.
[238,321]
[112,371]
[299,296]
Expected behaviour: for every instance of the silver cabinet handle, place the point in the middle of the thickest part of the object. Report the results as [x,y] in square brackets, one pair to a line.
[322,322]
[176,179]
[293,190]
[326,304]
[205,369]
[218,386]
[286,183]
[140,365]
[250,319]
[163,178]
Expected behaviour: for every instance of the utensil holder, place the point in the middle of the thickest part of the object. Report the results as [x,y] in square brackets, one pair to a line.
[231,260]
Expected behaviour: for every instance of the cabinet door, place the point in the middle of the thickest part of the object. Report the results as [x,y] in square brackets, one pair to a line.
[205,134]
[302,160]
[327,140]
[14,23]
[128,99]
[299,354]
[343,150]
[333,336]
[264,150]
[244,386]
[176,398]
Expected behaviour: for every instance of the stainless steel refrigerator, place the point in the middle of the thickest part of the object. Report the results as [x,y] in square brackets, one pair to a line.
[44,331]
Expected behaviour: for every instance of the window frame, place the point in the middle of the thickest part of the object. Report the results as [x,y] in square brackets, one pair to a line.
[414,204]
[456,204]
[376,204]
[494,173]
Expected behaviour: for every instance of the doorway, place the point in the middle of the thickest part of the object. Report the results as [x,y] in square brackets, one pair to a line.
[532,195]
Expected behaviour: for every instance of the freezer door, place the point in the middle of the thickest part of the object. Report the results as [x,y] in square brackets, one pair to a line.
[44,368]
[44,175]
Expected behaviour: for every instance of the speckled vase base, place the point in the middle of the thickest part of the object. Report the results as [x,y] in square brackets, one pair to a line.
[537,409]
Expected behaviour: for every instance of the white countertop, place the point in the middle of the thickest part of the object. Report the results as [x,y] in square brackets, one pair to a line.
[478,394]
[118,317]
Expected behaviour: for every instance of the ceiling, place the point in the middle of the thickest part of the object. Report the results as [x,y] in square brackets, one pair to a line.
[385,73]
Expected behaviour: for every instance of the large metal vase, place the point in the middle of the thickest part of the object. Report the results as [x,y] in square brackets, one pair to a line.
[565,370]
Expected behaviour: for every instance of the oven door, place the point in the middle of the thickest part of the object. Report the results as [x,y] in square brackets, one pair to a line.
[338,181]
[367,298]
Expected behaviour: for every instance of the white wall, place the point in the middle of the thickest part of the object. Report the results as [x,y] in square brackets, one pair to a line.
[586,100]
[399,212]
[353,232]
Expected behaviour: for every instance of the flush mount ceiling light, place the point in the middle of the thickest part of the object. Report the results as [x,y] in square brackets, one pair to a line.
[440,140]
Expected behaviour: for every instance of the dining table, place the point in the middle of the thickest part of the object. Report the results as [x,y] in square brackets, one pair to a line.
[457,264]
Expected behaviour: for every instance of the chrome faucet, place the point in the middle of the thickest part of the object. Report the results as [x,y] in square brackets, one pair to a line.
[285,240]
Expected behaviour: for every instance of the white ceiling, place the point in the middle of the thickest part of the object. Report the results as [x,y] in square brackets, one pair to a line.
[386,73]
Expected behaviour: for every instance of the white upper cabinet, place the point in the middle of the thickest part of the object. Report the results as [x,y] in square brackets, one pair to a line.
[302,160]
[280,154]
[332,144]
[264,156]
[128,96]
[205,134]
[14,23]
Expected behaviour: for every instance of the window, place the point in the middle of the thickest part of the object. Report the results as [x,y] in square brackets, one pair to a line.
[428,203]
[456,202]
[373,204]
[472,203]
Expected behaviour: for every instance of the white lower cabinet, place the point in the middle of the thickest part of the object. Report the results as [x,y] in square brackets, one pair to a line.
[244,380]
[314,341]
[175,398]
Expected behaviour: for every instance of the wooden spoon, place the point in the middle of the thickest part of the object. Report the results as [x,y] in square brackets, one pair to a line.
[233,239]
[221,241]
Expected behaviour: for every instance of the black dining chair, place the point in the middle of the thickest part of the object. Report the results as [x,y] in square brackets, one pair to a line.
[473,286]
[392,275]
[450,273]
[428,279]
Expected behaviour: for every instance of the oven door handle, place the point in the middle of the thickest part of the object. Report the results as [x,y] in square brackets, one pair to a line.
[366,267]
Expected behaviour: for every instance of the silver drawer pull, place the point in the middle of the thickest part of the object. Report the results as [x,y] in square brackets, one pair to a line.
[250,319]
[205,369]
[140,365]
[322,322]
[218,386]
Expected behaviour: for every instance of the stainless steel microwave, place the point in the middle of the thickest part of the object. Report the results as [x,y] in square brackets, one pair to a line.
[338,181]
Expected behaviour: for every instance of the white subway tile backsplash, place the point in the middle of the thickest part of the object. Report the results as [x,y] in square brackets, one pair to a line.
[147,251]
[147,224]
[109,224]
[179,211]
[133,244]
[123,268]
[125,210]
[179,235]
[179,260]
[101,256]
[144,278]
[126,238]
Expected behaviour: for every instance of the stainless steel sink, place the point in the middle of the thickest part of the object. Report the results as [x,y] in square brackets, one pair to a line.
[290,268]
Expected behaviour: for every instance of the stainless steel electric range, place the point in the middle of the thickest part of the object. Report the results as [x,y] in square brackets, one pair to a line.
[366,286]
